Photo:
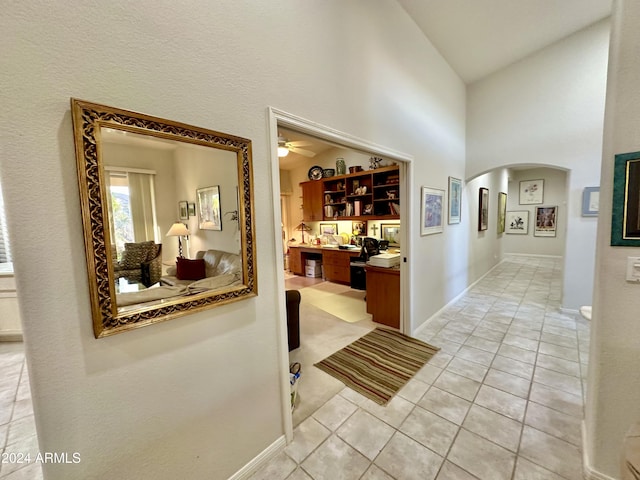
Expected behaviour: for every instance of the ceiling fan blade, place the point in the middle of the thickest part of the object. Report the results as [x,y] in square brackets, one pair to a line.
[299,143]
[301,151]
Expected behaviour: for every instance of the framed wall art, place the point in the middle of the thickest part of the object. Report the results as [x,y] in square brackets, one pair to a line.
[590,201]
[183,210]
[502,211]
[191,207]
[328,229]
[391,233]
[455,200]
[431,211]
[531,192]
[517,222]
[545,222]
[625,214]
[209,214]
[483,209]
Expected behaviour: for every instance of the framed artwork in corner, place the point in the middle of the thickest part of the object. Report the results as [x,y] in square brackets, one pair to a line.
[590,201]
[183,210]
[625,213]
[391,233]
[502,211]
[209,216]
[192,209]
[455,200]
[545,222]
[517,222]
[531,192]
[431,220]
[328,229]
[483,209]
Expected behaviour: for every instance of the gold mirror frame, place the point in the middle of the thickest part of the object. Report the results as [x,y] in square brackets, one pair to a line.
[88,118]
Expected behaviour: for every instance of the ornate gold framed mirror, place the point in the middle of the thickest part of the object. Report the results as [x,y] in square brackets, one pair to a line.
[149,258]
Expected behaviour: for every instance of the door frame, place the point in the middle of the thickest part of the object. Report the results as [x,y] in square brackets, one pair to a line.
[278,118]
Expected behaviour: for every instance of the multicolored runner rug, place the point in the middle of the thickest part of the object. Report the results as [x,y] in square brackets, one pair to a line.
[378,364]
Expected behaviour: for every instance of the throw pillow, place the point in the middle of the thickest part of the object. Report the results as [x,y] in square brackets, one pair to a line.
[190,269]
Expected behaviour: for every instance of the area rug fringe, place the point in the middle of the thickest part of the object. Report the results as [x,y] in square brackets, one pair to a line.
[378,364]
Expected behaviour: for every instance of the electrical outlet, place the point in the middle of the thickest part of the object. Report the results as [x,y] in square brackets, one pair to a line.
[633,269]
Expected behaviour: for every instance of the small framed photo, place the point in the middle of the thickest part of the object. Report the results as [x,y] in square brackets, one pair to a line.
[502,211]
[328,229]
[183,210]
[590,201]
[391,233]
[517,222]
[359,228]
[455,200]
[431,211]
[546,221]
[483,209]
[531,192]
[209,208]
[192,209]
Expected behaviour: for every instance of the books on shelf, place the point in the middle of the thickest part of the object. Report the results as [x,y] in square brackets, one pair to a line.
[394,208]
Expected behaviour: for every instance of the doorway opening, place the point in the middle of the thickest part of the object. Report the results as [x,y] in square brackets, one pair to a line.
[335,192]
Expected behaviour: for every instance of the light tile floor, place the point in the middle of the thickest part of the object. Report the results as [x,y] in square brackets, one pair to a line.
[17,425]
[502,400]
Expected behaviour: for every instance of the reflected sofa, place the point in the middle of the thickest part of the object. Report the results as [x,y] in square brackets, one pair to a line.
[221,269]
[140,262]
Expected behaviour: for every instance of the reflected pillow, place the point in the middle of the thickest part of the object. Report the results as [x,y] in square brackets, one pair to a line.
[190,269]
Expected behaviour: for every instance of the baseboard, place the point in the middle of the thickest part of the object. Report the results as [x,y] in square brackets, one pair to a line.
[10,336]
[570,310]
[261,459]
[588,472]
[533,255]
[454,300]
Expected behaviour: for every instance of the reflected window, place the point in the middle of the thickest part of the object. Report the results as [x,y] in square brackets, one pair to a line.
[5,248]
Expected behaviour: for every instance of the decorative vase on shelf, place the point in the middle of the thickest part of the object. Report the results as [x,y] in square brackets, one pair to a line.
[341,167]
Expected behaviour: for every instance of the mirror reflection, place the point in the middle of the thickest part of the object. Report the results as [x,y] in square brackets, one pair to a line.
[167,219]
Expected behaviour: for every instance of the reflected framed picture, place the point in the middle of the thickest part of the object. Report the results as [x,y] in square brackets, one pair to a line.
[192,209]
[545,222]
[183,210]
[209,216]
[483,209]
[502,211]
[455,200]
[431,211]
[625,214]
[517,222]
[328,229]
[531,192]
[391,233]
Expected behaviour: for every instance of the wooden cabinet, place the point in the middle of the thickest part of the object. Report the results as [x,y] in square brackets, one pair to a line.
[312,201]
[383,295]
[337,265]
[295,261]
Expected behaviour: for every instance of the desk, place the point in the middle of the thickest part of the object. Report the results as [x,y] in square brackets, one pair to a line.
[383,295]
[336,262]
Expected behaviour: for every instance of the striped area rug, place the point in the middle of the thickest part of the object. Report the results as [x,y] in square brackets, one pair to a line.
[378,364]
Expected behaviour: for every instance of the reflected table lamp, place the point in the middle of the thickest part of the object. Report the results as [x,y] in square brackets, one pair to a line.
[178,230]
[303,227]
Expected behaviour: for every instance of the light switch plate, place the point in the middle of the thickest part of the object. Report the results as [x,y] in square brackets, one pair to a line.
[633,269]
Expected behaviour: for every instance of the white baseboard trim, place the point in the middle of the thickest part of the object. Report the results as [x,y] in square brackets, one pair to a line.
[10,336]
[262,458]
[588,472]
[454,300]
[532,255]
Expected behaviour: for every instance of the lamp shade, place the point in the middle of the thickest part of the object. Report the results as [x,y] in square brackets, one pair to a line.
[178,230]
[283,151]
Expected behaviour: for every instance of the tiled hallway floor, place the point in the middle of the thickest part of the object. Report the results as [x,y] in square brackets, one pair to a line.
[502,400]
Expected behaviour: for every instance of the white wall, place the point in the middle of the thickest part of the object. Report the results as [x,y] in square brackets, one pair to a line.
[613,401]
[197,397]
[554,194]
[547,109]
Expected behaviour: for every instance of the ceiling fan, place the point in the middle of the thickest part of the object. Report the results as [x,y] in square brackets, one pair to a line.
[285,146]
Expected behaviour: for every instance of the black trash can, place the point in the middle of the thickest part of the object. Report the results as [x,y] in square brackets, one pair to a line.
[358,276]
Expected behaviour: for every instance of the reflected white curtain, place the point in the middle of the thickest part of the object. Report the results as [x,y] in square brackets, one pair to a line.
[5,250]
[143,208]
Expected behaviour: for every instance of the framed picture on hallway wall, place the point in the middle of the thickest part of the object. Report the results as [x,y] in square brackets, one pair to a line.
[431,220]
[517,222]
[483,209]
[531,192]
[502,211]
[545,222]
[455,200]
